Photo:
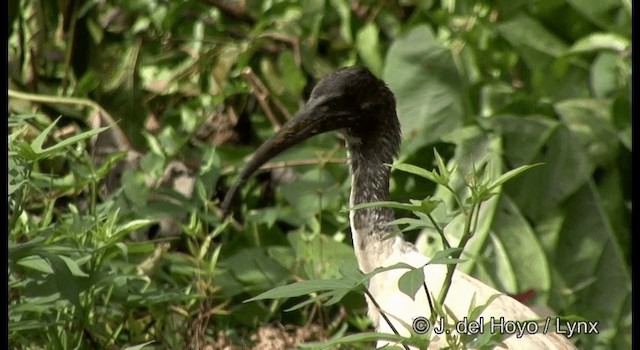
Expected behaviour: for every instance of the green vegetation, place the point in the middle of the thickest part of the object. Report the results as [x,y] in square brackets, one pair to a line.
[128,121]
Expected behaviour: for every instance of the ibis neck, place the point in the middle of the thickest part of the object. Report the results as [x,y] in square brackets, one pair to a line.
[372,237]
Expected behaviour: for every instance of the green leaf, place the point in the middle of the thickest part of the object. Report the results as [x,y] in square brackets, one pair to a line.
[445,174]
[35,263]
[591,122]
[132,226]
[294,80]
[537,45]
[586,233]
[520,252]
[509,175]
[421,72]
[301,288]
[36,144]
[565,161]
[368,47]
[605,75]
[310,301]
[320,255]
[600,41]
[429,175]
[429,204]
[253,266]
[356,338]
[444,256]
[26,325]
[411,281]
[611,14]
[134,187]
[139,346]
[523,136]
[66,283]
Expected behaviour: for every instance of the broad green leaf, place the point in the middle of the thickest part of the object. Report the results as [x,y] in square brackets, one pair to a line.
[605,75]
[312,192]
[591,122]
[565,168]
[17,251]
[368,47]
[523,136]
[537,45]
[610,14]
[134,187]
[36,263]
[344,11]
[411,281]
[586,233]
[67,284]
[294,80]
[320,255]
[421,72]
[253,266]
[520,252]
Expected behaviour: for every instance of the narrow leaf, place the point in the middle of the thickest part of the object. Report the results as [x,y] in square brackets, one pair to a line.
[444,256]
[139,346]
[412,169]
[37,143]
[301,288]
[509,175]
[442,168]
[601,41]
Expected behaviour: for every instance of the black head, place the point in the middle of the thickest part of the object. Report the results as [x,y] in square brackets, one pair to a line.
[349,99]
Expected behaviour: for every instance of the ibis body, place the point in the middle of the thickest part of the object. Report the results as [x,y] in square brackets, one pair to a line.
[355,102]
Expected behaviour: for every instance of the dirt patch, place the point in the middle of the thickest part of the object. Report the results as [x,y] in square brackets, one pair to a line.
[272,337]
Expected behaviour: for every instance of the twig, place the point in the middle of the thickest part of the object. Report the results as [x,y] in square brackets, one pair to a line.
[262,94]
[375,303]
[431,309]
[445,242]
[289,163]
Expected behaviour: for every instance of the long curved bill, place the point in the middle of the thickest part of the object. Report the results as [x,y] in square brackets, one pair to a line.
[313,119]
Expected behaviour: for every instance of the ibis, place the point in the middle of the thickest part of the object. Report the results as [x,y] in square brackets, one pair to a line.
[361,106]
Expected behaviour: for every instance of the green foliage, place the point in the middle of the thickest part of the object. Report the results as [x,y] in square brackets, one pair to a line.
[127,121]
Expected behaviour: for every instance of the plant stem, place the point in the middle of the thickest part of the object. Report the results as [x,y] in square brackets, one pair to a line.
[445,242]
[467,234]
[375,303]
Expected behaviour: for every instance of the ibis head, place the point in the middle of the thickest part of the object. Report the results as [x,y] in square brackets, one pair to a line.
[355,102]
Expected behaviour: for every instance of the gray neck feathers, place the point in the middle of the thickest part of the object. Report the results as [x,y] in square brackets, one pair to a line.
[372,237]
